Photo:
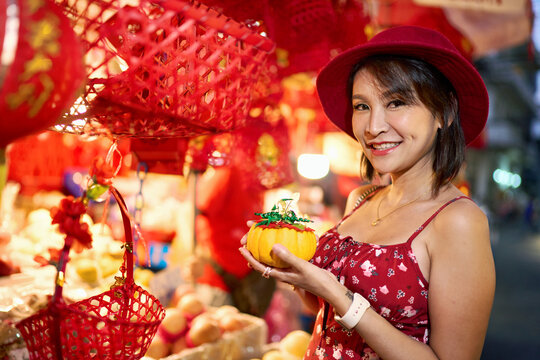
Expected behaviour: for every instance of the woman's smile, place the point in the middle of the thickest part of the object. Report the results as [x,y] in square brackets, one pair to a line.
[383,148]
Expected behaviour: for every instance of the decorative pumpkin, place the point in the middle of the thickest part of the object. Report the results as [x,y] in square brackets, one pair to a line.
[281,226]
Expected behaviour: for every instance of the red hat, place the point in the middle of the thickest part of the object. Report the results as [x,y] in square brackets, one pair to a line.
[416,42]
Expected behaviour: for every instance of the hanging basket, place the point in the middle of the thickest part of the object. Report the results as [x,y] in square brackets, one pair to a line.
[117,324]
[164,69]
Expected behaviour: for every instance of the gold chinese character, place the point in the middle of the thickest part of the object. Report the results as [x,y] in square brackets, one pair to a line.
[48,87]
[34,5]
[38,64]
[24,94]
[44,34]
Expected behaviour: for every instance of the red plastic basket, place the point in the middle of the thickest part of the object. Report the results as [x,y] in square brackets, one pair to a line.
[164,69]
[117,324]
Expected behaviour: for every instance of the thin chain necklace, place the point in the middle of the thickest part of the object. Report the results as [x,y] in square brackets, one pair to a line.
[380,218]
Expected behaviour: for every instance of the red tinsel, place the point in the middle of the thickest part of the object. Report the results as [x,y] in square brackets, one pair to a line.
[102,171]
[54,257]
[68,218]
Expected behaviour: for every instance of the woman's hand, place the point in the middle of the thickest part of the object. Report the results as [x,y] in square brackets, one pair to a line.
[300,274]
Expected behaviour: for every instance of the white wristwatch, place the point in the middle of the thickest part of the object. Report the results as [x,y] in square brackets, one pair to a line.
[358,307]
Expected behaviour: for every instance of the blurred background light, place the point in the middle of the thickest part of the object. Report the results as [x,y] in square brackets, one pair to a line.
[313,166]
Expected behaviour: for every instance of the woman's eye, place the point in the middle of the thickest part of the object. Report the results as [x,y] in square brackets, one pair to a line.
[360,107]
[396,103]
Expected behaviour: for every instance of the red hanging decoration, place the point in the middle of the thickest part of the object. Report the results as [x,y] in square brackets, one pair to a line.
[262,149]
[164,69]
[303,31]
[41,67]
[215,151]
[163,156]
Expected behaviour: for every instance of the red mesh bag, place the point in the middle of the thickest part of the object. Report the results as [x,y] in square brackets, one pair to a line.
[240,10]
[163,69]
[117,324]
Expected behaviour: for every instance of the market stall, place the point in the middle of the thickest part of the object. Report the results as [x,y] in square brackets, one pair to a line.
[138,138]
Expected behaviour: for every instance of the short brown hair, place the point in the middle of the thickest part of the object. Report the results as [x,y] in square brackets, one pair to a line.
[402,74]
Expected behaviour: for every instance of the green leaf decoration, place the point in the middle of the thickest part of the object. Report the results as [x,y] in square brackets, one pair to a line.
[281,213]
[95,191]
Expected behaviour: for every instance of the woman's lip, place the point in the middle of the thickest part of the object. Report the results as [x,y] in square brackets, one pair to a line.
[380,152]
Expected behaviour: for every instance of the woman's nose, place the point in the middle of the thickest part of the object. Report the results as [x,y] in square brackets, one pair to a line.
[377,122]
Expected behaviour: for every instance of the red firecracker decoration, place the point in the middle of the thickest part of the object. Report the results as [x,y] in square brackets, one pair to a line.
[41,68]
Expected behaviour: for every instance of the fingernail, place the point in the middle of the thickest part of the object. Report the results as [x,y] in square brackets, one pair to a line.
[249,265]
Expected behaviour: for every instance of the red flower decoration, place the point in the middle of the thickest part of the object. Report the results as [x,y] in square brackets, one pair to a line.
[54,257]
[68,218]
[102,172]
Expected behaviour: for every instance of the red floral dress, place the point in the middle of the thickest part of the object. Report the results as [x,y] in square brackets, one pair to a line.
[387,275]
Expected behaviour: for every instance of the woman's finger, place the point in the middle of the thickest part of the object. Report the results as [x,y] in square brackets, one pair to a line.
[251,260]
[284,254]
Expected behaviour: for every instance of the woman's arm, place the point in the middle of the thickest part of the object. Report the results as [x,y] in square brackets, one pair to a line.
[308,299]
[462,281]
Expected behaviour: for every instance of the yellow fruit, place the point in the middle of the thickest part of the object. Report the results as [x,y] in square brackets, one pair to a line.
[87,270]
[109,266]
[143,276]
[295,343]
[174,322]
[203,330]
[278,355]
[260,241]
[158,348]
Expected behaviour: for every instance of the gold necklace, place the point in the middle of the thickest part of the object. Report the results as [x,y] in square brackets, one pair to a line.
[380,218]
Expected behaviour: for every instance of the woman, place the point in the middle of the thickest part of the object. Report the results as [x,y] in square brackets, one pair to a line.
[408,273]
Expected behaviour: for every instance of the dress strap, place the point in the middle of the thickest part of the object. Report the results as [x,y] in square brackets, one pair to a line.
[426,223]
[361,199]
[366,195]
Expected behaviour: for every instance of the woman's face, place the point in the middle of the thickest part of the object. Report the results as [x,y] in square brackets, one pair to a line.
[396,134]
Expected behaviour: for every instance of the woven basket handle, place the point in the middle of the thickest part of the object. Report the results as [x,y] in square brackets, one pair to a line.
[128,245]
[128,252]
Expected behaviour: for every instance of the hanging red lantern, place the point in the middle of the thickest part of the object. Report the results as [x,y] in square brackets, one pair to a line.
[41,67]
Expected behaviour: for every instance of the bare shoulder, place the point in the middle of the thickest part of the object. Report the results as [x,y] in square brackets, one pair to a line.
[355,195]
[460,223]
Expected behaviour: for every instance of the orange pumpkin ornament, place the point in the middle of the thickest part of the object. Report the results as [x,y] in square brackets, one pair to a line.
[281,226]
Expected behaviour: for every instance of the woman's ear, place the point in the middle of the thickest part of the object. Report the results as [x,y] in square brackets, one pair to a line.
[440,122]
